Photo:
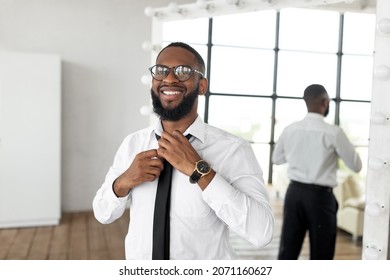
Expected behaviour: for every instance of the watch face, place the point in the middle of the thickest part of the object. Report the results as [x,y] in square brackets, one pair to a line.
[203,167]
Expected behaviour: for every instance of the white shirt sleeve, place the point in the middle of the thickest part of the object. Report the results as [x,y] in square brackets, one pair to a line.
[347,152]
[242,204]
[107,207]
[278,154]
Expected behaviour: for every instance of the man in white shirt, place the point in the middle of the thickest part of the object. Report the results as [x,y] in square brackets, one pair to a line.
[311,148]
[217,183]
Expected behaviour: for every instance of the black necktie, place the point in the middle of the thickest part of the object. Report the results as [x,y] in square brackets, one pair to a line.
[161,222]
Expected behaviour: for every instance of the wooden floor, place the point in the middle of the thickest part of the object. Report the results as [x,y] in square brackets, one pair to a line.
[80,237]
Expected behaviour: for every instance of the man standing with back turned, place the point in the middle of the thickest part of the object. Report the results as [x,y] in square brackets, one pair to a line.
[311,148]
[216,183]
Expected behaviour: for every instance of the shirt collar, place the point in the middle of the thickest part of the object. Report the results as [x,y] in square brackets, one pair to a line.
[196,129]
[317,116]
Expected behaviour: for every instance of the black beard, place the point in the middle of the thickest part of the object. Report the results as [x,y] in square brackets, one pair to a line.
[178,112]
[326,112]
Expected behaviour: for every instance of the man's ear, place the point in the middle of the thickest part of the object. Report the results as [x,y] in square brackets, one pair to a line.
[325,102]
[203,85]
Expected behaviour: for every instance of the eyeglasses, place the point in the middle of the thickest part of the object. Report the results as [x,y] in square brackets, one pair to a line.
[181,72]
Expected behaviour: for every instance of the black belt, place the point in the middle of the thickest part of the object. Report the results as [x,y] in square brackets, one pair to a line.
[311,186]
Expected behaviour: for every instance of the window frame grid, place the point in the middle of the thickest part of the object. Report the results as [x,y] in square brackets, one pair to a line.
[274,96]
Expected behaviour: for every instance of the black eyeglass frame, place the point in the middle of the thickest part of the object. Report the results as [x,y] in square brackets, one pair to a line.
[192,71]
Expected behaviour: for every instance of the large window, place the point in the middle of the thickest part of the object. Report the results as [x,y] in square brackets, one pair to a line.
[260,62]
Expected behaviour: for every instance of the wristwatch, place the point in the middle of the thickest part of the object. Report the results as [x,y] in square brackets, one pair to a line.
[202,168]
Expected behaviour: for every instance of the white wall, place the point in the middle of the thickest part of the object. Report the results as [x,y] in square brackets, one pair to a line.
[99,42]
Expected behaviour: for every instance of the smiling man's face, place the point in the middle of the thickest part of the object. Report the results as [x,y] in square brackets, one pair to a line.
[173,99]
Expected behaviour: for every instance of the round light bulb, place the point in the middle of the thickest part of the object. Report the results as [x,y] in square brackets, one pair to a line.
[376,163]
[146,79]
[382,72]
[373,209]
[145,110]
[149,11]
[384,26]
[371,252]
[232,2]
[173,7]
[378,118]
[201,4]
[147,46]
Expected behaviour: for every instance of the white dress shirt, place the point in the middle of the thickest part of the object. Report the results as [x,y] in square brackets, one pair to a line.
[311,148]
[235,199]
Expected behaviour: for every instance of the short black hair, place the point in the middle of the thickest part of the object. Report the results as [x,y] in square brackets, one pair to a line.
[314,92]
[198,57]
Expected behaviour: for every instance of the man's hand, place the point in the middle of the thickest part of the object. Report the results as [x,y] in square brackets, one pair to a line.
[178,151]
[146,167]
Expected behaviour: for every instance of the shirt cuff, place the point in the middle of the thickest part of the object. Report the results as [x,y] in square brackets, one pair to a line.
[111,196]
[218,193]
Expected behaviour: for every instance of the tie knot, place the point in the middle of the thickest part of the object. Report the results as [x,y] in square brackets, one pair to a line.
[188,136]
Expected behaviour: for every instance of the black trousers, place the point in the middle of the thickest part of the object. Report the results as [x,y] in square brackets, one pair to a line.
[312,208]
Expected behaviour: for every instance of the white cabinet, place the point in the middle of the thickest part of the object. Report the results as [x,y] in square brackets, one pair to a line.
[30,139]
